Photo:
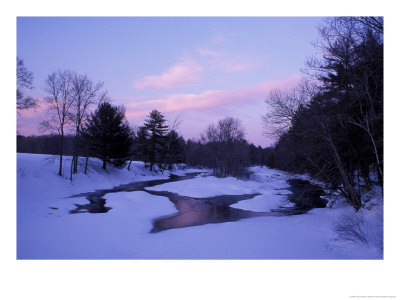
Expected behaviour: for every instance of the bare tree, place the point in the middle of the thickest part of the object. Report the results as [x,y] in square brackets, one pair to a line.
[283,104]
[175,124]
[24,81]
[84,94]
[226,150]
[372,23]
[60,100]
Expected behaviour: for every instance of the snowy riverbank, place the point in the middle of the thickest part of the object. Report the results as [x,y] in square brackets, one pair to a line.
[46,230]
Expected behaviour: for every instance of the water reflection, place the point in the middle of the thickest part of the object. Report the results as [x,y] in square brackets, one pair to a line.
[199,211]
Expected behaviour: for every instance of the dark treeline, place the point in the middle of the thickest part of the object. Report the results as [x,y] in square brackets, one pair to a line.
[337,135]
[45,144]
[221,148]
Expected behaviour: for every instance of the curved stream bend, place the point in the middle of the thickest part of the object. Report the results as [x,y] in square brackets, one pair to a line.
[199,211]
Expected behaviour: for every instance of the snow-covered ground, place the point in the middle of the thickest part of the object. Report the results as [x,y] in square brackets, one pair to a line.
[46,230]
[271,184]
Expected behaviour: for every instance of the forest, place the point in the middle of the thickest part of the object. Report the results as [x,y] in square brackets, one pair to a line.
[330,126]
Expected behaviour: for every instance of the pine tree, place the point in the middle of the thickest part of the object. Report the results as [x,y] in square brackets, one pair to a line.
[155,124]
[143,145]
[110,135]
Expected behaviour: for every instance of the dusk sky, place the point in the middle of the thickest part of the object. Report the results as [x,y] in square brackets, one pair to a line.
[201,69]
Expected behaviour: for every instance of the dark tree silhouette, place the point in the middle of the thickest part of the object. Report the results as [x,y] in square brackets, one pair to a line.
[174,149]
[226,150]
[24,81]
[338,135]
[110,135]
[142,144]
[157,130]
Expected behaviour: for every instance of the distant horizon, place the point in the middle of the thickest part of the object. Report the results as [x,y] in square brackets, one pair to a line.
[200,69]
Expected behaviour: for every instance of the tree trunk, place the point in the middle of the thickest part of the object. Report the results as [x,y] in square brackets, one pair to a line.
[72,167]
[367,129]
[378,162]
[104,164]
[76,150]
[87,145]
[61,152]
[86,164]
[354,198]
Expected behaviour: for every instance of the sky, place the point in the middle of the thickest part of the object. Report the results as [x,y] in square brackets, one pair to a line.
[200,69]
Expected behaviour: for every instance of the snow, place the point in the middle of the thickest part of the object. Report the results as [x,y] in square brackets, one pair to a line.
[124,232]
[264,202]
[272,187]
[202,187]
[112,235]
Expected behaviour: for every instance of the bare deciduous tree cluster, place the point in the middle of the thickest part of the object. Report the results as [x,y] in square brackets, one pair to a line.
[226,150]
[282,106]
[70,97]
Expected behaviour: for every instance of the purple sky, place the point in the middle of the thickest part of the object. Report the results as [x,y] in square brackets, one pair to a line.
[201,69]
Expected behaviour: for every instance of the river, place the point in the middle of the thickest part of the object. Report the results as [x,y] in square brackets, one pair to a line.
[193,211]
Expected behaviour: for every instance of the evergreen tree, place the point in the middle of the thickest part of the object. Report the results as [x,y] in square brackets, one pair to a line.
[155,125]
[143,145]
[110,134]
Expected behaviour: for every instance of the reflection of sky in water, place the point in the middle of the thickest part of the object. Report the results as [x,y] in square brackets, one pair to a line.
[200,211]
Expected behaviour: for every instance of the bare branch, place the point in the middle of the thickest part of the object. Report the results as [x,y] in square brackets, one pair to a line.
[175,124]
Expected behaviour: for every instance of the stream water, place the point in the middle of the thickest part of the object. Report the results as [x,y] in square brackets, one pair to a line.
[199,211]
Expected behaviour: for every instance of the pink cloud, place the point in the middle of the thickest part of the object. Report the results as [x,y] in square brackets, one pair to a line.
[183,72]
[209,99]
